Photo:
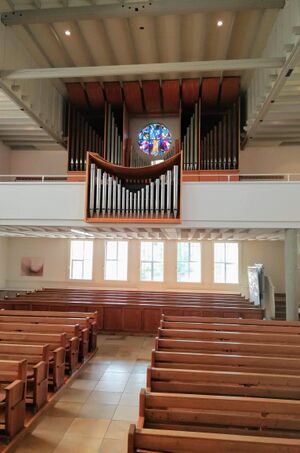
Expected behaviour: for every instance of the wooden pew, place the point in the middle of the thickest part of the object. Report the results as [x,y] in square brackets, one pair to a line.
[243,337]
[223,383]
[37,358]
[225,362]
[233,347]
[92,319]
[72,334]
[57,345]
[232,321]
[13,390]
[162,441]
[223,326]
[233,415]
[41,320]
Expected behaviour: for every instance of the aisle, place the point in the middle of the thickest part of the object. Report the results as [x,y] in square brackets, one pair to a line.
[93,413]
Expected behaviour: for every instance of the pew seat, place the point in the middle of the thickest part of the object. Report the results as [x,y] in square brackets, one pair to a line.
[233,415]
[232,383]
[37,357]
[162,441]
[13,376]
[72,333]
[225,362]
[57,350]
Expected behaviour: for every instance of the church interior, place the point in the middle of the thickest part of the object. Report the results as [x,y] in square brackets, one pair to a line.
[149,226]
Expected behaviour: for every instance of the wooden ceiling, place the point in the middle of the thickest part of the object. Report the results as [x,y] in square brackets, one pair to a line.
[155,96]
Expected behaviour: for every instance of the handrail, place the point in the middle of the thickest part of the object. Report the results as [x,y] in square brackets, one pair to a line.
[228,177]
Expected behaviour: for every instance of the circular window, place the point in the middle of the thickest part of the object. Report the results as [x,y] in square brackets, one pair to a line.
[155,139]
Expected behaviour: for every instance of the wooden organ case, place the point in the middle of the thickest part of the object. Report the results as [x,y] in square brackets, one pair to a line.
[149,194]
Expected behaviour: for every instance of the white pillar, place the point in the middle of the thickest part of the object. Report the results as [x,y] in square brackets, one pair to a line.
[290,261]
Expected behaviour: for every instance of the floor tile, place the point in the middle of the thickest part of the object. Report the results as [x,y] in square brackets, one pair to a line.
[118,430]
[104,397]
[75,395]
[113,446]
[35,444]
[108,386]
[127,413]
[130,399]
[88,427]
[97,410]
[64,409]
[84,384]
[75,443]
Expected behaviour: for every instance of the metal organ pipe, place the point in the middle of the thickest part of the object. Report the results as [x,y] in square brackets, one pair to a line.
[109,195]
[92,189]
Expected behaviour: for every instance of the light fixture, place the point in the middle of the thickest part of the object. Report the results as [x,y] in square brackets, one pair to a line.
[82,232]
[67,33]
[219,23]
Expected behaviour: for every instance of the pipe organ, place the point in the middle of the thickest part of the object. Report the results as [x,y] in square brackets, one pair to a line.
[139,159]
[145,194]
[114,140]
[190,142]
[82,137]
[220,146]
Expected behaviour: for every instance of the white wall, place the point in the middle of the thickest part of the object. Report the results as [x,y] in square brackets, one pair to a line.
[5,157]
[271,159]
[39,162]
[56,261]
[3,261]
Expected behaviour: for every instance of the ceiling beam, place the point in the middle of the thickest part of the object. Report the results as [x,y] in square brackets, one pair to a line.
[131,9]
[140,69]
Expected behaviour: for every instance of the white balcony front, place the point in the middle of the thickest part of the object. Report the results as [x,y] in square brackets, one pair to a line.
[255,204]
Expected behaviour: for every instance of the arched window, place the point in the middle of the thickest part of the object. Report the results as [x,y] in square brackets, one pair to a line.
[155,139]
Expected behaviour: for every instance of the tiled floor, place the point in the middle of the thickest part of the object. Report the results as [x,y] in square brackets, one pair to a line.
[94,412]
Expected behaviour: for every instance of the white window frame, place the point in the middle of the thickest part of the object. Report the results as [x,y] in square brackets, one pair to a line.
[116,260]
[189,261]
[83,260]
[227,263]
[152,262]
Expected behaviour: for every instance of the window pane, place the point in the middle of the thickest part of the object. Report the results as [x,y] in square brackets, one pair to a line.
[194,272]
[232,253]
[219,252]
[122,270]
[146,271]
[88,250]
[158,248]
[77,250]
[146,251]
[195,251]
[182,271]
[87,270]
[158,272]
[183,251]
[110,270]
[111,250]
[77,269]
[232,273]
[219,273]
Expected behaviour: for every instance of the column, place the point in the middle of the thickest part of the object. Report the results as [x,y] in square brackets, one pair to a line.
[290,265]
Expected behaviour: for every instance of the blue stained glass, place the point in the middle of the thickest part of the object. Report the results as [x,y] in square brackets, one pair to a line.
[155,139]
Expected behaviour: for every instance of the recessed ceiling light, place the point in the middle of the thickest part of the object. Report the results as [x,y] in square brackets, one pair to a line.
[67,33]
[219,23]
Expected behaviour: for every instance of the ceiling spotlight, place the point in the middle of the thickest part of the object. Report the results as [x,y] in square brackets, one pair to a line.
[67,33]
[219,23]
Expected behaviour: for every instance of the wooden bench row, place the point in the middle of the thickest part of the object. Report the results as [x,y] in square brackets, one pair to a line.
[131,318]
[218,385]
[37,350]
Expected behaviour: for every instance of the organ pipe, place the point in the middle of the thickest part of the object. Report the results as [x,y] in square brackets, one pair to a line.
[118,196]
[219,147]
